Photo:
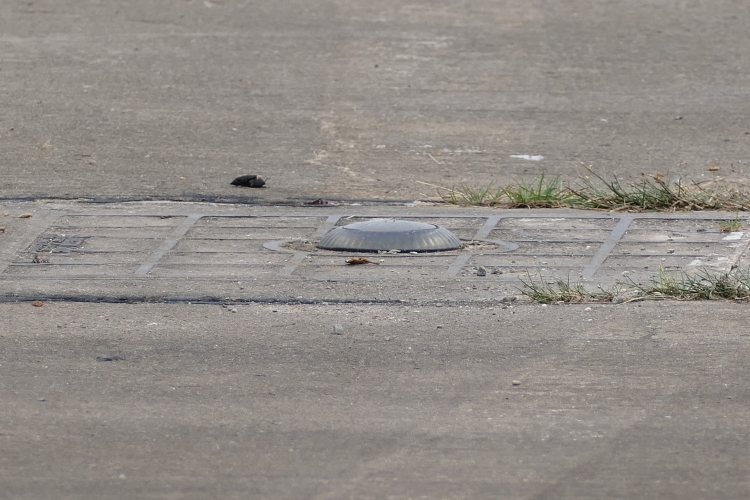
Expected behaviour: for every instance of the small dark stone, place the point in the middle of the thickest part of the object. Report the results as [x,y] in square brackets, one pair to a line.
[251,180]
[110,358]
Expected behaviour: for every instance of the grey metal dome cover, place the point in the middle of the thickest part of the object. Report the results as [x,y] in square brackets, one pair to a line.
[390,234]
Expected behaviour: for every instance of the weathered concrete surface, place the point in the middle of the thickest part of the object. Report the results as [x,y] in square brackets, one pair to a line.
[360,99]
[355,99]
[628,401]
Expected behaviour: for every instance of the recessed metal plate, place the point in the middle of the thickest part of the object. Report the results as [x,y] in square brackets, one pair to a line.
[57,243]
[390,234]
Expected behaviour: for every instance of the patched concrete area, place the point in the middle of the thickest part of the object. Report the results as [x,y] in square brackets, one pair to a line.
[199,250]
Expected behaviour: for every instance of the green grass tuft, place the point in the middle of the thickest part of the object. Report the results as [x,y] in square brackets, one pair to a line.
[487,196]
[545,193]
[594,192]
[731,225]
[656,193]
[703,285]
[562,292]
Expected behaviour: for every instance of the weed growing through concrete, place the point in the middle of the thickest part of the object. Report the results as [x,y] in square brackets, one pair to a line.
[563,292]
[465,195]
[594,192]
[728,226]
[702,285]
[657,193]
[544,193]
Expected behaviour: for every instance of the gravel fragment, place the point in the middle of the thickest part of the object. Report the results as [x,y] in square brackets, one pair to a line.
[338,330]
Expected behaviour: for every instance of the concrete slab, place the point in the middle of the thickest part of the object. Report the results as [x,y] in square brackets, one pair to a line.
[360,99]
[200,251]
[627,401]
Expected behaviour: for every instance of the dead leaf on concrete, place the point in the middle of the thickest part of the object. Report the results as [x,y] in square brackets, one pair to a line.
[354,261]
[25,216]
[37,303]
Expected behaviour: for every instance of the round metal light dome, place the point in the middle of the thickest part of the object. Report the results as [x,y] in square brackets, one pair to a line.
[389,234]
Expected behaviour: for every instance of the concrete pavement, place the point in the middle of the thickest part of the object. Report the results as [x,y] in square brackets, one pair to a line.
[219,375]
[359,100]
[627,401]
